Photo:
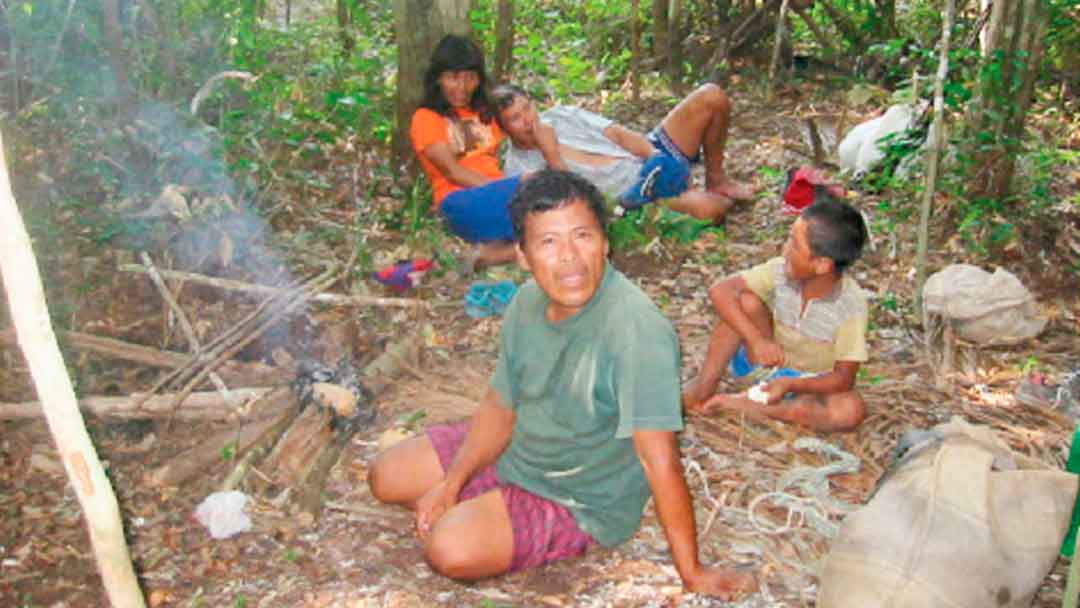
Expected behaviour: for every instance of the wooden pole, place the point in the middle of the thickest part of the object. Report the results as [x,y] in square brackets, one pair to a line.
[30,313]
[780,33]
[933,157]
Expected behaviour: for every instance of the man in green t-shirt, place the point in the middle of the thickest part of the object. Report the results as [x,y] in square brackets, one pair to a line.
[577,426]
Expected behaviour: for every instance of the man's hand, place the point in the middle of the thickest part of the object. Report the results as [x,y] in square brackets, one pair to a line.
[765,352]
[433,505]
[725,583]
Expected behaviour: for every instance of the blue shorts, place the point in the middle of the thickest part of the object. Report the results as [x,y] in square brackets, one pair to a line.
[663,142]
[482,213]
[740,366]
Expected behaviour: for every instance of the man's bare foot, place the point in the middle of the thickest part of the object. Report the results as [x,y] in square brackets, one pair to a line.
[695,394]
[734,190]
[737,402]
[702,205]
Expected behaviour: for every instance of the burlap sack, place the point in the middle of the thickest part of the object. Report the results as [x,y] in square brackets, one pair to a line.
[985,308]
[960,522]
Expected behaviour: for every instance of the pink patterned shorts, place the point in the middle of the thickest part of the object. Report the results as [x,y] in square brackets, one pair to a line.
[544,531]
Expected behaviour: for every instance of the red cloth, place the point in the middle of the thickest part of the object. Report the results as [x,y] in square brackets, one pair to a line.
[405,274]
[802,187]
[544,531]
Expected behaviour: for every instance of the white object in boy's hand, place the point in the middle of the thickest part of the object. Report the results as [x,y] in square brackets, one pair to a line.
[757,394]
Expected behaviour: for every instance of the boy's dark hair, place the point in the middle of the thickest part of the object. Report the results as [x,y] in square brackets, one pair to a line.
[503,97]
[551,189]
[454,54]
[836,230]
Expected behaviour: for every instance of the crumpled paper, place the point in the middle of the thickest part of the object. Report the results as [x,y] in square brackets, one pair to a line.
[222,513]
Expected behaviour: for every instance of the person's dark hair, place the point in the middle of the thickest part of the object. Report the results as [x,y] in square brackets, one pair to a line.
[503,97]
[836,230]
[454,54]
[551,189]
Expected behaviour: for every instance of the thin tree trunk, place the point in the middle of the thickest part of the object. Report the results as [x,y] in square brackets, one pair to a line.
[344,21]
[504,40]
[779,42]
[675,47]
[661,50]
[115,44]
[933,157]
[635,52]
[165,40]
[30,313]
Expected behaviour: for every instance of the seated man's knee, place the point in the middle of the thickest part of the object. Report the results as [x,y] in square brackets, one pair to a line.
[378,478]
[846,411]
[449,556]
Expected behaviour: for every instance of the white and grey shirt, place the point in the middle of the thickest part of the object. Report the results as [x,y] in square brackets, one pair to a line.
[582,130]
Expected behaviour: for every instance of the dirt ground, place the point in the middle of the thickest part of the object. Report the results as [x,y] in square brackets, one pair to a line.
[360,553]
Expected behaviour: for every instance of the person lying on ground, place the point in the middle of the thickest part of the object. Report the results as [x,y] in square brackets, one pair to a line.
[456,138]
[799,318]
[623,163]
[577,426]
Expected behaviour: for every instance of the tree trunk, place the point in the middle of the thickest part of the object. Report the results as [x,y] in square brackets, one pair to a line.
[661,50]
[1003,95]
[419,27]
[30,314]
[933,157]
[675,43]
[115,43]
[635,51]
[1030,47]
[165,40]
[504,41]
[344,21]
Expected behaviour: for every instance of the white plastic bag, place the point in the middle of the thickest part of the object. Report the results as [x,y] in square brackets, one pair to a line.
[222,513]
[861,148]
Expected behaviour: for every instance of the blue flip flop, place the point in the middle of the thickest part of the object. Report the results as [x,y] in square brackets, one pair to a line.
[487,298]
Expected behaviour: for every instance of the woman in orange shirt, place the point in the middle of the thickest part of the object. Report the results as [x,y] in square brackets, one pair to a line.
[456,138]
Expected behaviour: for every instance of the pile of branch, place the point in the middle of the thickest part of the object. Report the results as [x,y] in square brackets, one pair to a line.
[286,454]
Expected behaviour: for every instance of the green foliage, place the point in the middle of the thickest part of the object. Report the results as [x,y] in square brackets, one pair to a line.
[228,452]
[639,227]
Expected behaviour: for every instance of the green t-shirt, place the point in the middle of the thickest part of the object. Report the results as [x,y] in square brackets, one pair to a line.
[580,388]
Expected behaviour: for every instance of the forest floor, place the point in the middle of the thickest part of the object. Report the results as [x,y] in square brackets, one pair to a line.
[361,553]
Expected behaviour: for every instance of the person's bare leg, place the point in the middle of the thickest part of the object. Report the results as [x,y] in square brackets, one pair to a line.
[723,343]
[473,540]
[701,205]
[494,253]
[491,253]
[403,473]
[701,121]
[829,413]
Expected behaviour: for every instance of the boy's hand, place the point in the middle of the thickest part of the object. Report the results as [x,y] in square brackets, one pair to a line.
[776,389]
[766,353]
